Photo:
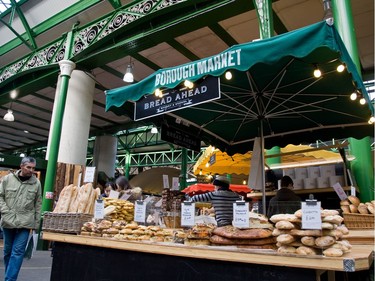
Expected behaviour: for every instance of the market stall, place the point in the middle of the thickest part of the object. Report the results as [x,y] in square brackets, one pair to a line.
[284,63]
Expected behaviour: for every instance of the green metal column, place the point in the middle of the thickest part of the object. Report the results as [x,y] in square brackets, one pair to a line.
[184,161]
[343,21]
[265,17]
[127,165]
[66,67]
[362,167]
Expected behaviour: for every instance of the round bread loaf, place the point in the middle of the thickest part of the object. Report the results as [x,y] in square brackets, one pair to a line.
[362,208]
[303,250]
[345,209]
[325,241]
[286,250]
[308,241]
[344,202]
[354,200]
[333,252]
[353,208]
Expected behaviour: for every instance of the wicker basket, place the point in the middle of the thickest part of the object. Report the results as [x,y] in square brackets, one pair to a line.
[359,221]
[64,222]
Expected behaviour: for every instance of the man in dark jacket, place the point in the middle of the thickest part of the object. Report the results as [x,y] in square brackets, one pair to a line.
[285,201]
[20,206]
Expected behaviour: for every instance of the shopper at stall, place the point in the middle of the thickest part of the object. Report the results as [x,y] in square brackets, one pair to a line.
[20,206]
[107,188]
[222,200]
[285,201]
[126,191]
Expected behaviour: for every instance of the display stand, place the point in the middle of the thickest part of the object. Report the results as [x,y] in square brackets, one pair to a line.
[104,259]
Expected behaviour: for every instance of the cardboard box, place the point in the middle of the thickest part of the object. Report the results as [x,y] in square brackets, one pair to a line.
[298,183]
[289,172]
[301,173]
[336,179]
[322,182]
[313,172]
[327,171]
[309,183]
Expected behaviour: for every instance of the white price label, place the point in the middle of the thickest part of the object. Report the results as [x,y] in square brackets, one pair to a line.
[311,216]
[339,191]
[140,211]
[113,194]
[89,174]
[165,181]
[187,214]
[241,215]
[175,183]
[353,191]
[99,209]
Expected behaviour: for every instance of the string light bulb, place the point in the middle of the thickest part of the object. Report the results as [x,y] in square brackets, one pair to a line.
[188,84]
[362,101]
[158,93]
[340,68]
[353,96]
[371,120]
[228,75]
[317,72]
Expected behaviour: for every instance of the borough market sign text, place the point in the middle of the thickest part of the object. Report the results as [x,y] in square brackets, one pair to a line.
[175,99]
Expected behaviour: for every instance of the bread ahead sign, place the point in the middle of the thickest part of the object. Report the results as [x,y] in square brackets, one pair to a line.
[178,98]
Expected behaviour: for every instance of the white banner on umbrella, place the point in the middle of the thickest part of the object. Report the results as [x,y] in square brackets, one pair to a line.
[255,174]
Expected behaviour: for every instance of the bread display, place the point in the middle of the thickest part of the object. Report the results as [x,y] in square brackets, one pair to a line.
[117,209]
[297,241]
[353,205]
[75,199]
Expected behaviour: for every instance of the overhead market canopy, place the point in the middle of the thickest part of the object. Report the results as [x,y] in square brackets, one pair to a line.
[273,93]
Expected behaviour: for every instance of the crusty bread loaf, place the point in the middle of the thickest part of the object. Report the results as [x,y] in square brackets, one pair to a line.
[286,250]
[216,239]
[344,202]
[285,239]
[233,232]
[325,241]
[328,212]
[74,201]
[308,241]
[304,250]
[354,200]
[345,209]
[284,217]
[362,208]
[307,232]
[333,252]
[62,205]
[353,208]
[284,225]
[84,194]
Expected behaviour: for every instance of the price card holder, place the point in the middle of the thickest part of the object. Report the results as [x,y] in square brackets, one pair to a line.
[311,214]
[113,194]
[353,191]
[187,213]
[241,214]
[339,191]
[99,209]
[140,211]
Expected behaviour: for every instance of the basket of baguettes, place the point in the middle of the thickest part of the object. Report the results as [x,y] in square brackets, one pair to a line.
[357,215]
[74,207]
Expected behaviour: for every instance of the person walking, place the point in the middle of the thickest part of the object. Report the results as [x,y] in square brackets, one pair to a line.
[20,207]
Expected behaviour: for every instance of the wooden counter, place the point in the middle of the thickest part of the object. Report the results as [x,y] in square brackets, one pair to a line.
[361,237]
[359,259]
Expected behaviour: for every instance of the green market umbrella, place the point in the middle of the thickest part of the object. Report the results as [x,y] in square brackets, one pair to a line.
[272,95]
[273,83]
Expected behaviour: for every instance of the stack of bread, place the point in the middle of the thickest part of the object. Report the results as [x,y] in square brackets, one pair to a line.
[257,236]
[199,234]
[117,209]
[354,206]
[291,239]
[121,230]
[75,199]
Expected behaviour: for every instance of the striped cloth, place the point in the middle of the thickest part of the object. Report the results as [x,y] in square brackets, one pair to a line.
[222,201]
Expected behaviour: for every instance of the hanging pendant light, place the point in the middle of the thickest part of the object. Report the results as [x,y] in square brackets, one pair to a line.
[129,77]
[9,116]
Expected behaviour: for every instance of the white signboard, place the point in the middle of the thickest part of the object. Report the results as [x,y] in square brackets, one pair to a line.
[175,183]
[89,174]
[140,211]
[311,215]
[165,181]
[187,214]
[113,194]
[99,209]
[241,214]
[353,191]
[340,191]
